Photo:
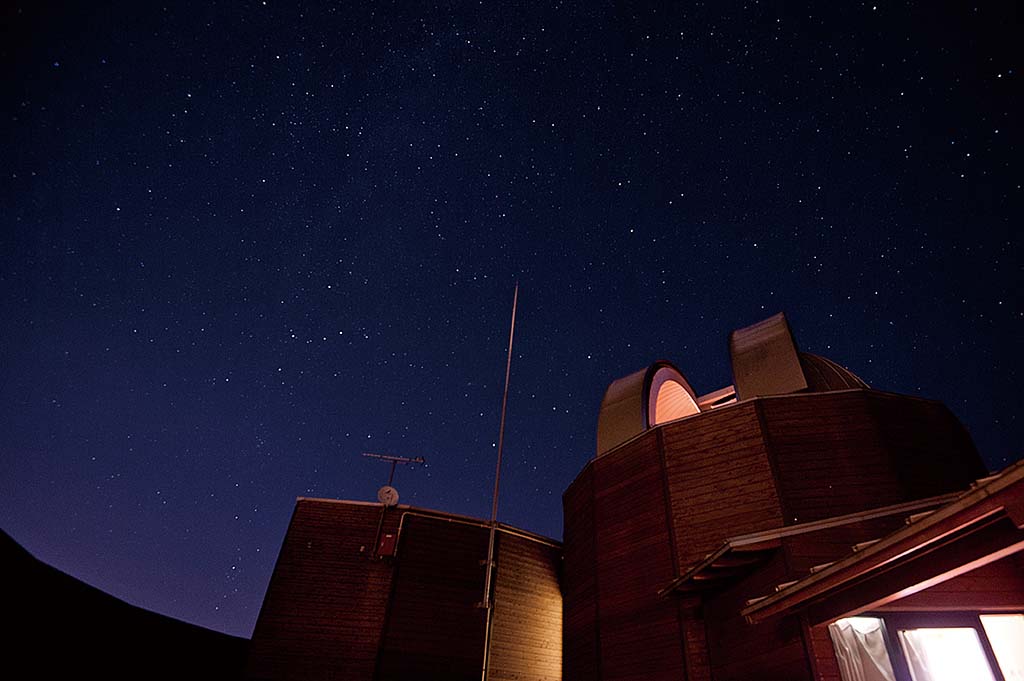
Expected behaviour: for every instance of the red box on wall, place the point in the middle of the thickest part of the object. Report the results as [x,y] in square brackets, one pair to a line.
[387,545]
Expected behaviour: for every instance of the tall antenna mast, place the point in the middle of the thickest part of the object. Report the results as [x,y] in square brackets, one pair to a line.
[486,603]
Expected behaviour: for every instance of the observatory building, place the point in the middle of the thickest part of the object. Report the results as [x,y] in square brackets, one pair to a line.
[797,524]
[717,537]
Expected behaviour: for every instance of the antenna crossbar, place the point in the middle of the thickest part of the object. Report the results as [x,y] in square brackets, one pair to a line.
[396,459]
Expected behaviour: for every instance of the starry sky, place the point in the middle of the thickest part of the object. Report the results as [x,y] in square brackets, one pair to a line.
[242,243]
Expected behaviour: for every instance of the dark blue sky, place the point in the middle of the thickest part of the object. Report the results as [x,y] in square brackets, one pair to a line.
[241,243]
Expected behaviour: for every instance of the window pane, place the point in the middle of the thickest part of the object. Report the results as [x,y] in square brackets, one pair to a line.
[1006,634]
[945,655]
[859,643]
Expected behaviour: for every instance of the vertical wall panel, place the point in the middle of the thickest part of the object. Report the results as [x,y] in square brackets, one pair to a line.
[695,638]
[829,455]
[526,634]
[823,654]
[935,452]
[640,637]
[838,453]
[324,609]
[743,652]
[580,638]
[720,481]
[435,629]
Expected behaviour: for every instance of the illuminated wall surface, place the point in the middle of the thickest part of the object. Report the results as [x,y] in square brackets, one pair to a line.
[335,611]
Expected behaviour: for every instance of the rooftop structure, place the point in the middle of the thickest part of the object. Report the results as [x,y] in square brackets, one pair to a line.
[796,524]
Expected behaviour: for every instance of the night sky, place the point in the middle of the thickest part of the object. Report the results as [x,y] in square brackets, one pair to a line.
[242,243]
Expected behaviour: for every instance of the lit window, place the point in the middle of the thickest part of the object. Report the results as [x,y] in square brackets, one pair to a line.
[1006,634]
[948,654]
[930,647]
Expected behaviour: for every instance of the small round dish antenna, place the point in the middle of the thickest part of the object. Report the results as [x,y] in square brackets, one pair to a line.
[387,495]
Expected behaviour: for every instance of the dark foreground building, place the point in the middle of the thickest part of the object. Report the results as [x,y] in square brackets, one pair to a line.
[795,525]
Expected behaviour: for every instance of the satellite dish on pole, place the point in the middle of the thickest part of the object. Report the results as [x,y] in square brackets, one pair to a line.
[387,495]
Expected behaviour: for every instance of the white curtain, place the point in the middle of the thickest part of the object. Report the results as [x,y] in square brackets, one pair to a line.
[860,649]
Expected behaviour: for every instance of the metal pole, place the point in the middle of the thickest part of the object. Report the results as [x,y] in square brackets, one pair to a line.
[494,498]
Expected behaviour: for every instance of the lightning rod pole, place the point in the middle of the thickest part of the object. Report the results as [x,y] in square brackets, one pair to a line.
[489,574]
